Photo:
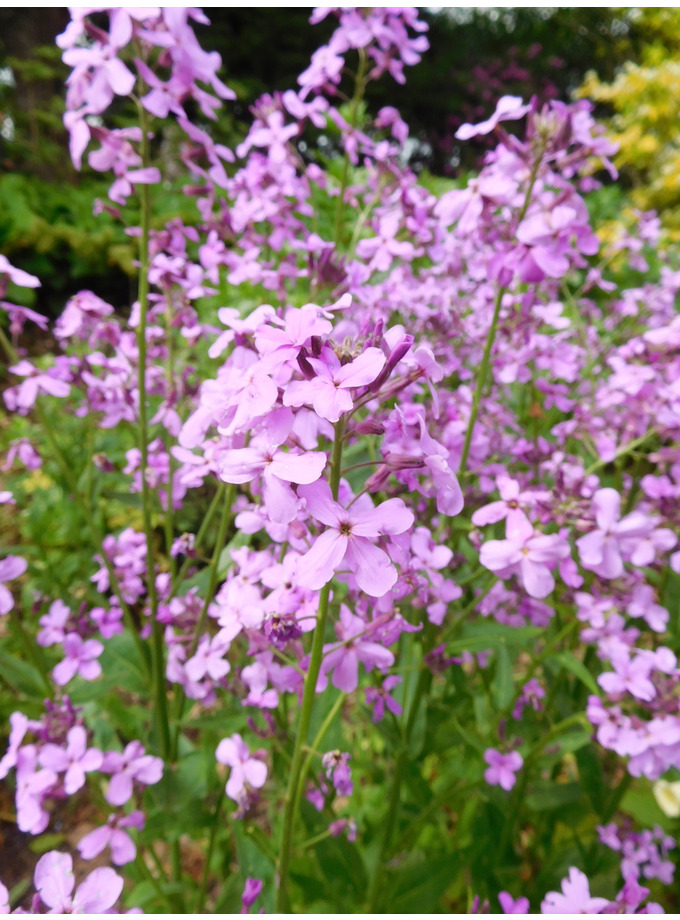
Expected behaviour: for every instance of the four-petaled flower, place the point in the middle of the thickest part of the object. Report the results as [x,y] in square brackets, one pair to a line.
[235,753]
[350,538]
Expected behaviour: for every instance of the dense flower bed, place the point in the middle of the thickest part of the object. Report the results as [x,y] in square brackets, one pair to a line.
[373,598]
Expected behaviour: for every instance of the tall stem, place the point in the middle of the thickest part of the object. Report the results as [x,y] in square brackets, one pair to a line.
[359,88]
[158,645]
[296,769]
[491,335]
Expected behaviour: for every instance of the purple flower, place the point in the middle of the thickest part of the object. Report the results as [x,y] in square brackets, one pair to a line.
[510,906]
[123,849]
[235,753]
[351,538]
[251,893]
[575,897]
[601,550]
[278,468]
[507,108]
[54,881]
[328,392]
[502,768]
[527,552]
[356,645]
[10,567]
[75,761]
[380,698]
[80,659]
[133,765]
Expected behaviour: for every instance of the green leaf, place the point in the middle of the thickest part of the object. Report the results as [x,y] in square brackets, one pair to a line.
[418,889]
[503,683]
[22,676]
[578,669]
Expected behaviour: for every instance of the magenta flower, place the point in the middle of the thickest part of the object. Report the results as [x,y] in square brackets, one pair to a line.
[356,646]
[123,849]
[328,392]
[279,468]
[351,537]
[526,552]
[10,567]
[235,753]
[507,108]
[80,659]
[601,550]
[380,698]
[510,906]
[575,897]
[133,765]
[74,761]
[54,881]
[502,768]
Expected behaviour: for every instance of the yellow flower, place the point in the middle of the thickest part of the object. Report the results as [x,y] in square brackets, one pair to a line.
[667,796]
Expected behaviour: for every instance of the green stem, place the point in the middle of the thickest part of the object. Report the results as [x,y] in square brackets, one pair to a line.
[394,802]
[157,642]
[320,735]
[491,335]
[200,536]
[296,771]
[225,520]
[359,88]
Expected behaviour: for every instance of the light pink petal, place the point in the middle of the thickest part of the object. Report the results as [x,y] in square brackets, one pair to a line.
[363,370]
[74,779]
[371,566]
[319,564]
[499,554]
[100,891]
[120,789]
[227,752]
[95,842]
[607,504]
[346,671]
[255,773]
[299,468]
[279,500]
[537,578]
[489,514]
[320,503]
[390,517]
[53,879]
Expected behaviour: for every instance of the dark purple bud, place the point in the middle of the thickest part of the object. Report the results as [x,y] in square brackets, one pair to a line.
[305,367]
[370,426]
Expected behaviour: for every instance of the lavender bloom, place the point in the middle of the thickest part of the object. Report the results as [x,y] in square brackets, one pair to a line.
[502,768]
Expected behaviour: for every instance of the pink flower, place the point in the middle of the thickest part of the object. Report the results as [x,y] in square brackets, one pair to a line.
[507,108]
[10,567]
[356,646]
[502,768]
[75,761]
[526,552]
[601,550]
[510,906]
[80,659]
[279,468]
[133,765]
[329,392]
[235,753]
[54,881]
[123,849]
[351,538]
[575,897]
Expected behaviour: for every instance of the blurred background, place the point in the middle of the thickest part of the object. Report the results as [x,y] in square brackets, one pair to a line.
[626,60]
